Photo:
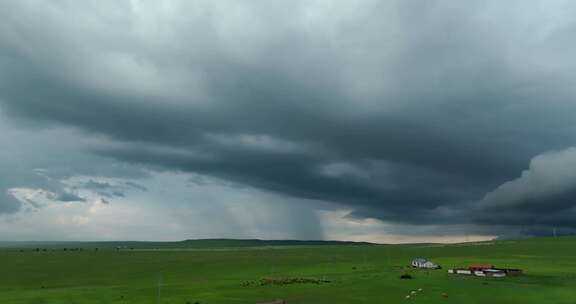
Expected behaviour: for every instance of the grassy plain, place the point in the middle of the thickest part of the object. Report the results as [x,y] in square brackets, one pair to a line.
[358,274]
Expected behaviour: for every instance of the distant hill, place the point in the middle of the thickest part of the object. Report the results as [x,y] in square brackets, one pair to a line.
[199,243]
[260,243]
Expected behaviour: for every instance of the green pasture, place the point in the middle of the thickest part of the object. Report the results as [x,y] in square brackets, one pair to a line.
[357,274]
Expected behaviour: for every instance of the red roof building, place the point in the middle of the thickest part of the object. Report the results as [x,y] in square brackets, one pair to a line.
[479,267]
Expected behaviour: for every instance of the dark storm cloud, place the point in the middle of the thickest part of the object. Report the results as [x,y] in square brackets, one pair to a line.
[353,104]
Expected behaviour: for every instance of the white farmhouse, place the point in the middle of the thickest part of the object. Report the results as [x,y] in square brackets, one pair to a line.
[423,263]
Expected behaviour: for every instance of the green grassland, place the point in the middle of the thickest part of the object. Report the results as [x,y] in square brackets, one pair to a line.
[358,273]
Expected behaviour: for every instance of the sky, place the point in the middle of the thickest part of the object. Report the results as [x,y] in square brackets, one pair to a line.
[388,121]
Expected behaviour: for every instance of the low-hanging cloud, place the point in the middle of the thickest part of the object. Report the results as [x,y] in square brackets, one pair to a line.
[544,194]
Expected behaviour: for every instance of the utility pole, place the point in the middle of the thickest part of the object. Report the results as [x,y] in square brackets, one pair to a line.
[364,256]
[158,291]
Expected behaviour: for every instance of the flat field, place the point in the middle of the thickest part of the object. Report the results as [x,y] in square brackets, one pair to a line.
[356,274]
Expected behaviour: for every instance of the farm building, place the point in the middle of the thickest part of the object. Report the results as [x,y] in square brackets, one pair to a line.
[424,263]
[485,270]
[479,273]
